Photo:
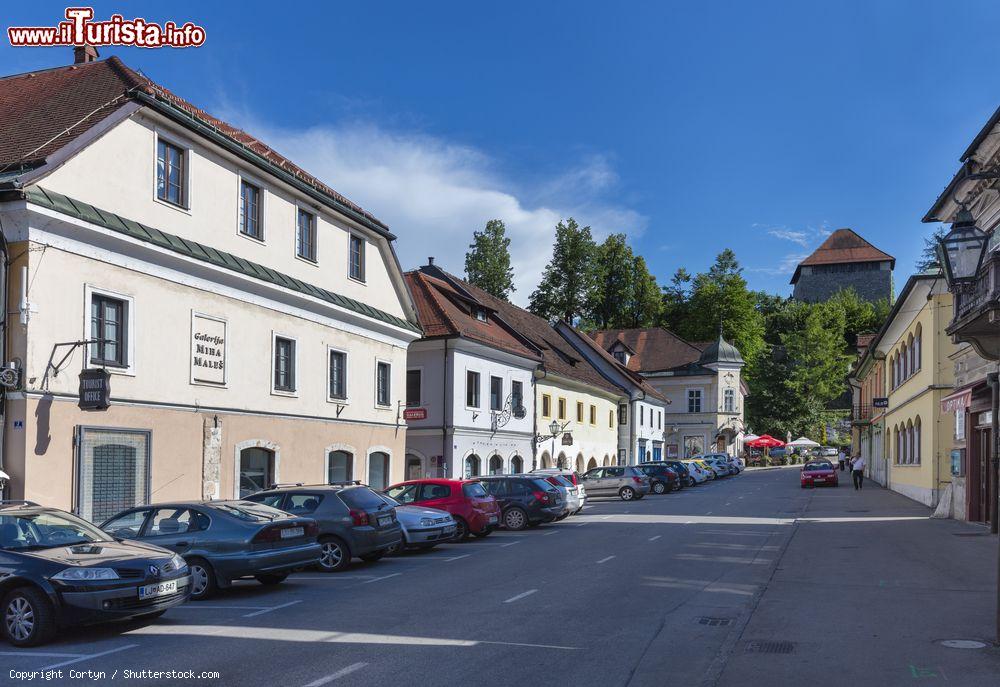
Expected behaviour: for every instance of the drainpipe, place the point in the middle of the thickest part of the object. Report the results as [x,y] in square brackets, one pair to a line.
[4,290]
[447,415]
[991,379]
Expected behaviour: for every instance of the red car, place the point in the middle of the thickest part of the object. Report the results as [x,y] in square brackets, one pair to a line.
[473,508]
[819,472]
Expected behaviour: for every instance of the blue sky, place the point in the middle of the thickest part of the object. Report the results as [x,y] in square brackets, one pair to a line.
[692,127]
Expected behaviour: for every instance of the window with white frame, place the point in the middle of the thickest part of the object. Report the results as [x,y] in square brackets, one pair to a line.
[338,375]
[357,258]
[109,330]
[171,173]
[729,400]
[471,389]
[383,395]
[250,211]
[305,235]
[694,400]
[496,393]
[284,364]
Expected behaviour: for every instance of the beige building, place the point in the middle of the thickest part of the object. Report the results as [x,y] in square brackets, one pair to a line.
[252,322]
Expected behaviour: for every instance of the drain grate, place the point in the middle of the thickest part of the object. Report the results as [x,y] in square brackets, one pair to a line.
[770,647]
[715,622]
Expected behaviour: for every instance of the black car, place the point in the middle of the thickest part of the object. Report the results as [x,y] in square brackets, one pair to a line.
[353,520]
[661,477]
[525,501]
[682,471]
[58,570]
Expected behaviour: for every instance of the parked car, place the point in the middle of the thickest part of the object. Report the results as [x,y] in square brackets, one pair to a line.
[662,478]
[736,464]
[474,510]
[624,481]
[683,472]
[58,570]
[818,472]
[720,462]
[577,497]
[699,473]
[526,501]
[829,452]
[354,521]
[423,528]
[222,541]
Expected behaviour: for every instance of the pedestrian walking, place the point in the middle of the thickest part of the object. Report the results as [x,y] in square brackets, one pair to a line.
[858,471]
[842,459]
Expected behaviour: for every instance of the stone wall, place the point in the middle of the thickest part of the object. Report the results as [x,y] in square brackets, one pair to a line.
[872,285]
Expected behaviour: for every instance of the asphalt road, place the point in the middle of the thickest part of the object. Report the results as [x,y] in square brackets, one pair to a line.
[683,589]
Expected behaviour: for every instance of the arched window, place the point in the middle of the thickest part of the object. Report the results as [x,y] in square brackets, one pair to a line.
[916,348]
[414,467]
[561,464]
[496,465]
[516,465]
[579,463]
[256,470]
[592,464]
[895,371]
[339,467]
[546,460]
[899,445]
[472,466]
[916,440]
[378,470]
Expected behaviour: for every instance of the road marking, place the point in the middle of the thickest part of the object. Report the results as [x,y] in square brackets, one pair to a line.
[384,577]
[503,546]
[655,538]
[605,560]
[323,577]
[520,596]
[272,608]
[87,657]
[455,558]
[606,517]
[533,646]
[198,607]
[549,534]
[354,667]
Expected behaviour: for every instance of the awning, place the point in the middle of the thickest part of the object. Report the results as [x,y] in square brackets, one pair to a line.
[960,398]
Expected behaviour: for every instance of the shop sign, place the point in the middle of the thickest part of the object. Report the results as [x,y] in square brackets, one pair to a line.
[208,349]
[882,402]
[567,439]
[415,414]
[95,389]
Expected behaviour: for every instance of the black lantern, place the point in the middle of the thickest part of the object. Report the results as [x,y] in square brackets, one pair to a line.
[962,249]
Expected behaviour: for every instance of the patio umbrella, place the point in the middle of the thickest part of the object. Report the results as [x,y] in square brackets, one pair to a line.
[803,442]
[765,441]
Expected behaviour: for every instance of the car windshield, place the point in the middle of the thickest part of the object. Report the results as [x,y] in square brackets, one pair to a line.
[46,530]
[246,510]
[474,490]
[813,467]
[362,498]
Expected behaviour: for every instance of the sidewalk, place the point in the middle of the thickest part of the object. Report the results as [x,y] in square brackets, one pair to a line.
[860,601]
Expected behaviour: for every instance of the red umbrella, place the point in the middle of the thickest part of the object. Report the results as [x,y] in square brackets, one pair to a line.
[765,441]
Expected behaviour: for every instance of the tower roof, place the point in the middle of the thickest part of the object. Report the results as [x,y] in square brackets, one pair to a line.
[720,351]
[843,246]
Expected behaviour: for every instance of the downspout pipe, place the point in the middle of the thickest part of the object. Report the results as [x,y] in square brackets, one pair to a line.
[448,415]
[4,319]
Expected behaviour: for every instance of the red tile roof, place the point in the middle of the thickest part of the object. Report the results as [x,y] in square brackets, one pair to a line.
[634,375]
[656,349]
[45,110]
[843,246]
[444,312]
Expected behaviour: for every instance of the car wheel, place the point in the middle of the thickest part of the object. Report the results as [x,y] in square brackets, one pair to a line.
[626,493]
[334,555]
[515,519]
[678,486]
[461,529]
[659,488]
[203,584]
[28,617]
[562,517]
[372,557]
[269,580]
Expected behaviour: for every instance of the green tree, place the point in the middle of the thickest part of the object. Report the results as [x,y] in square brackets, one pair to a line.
[566,282]
[612,283]
[819,363]
[860,316]
[644,303]
[487,264]
[929,259]
[675,301]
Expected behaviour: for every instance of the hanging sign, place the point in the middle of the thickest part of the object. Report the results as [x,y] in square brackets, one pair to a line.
[567,439]
[95,389]
[415,414]
[208,349]
[880,402]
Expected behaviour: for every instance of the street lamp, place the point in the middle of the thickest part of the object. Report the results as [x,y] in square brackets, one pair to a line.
[555,429]
[962,250]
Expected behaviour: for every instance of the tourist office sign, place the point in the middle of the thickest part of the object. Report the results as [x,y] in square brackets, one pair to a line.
[209,347]
[95,389]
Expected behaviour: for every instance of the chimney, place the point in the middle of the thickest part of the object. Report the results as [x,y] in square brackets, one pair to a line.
[430,260]
[84,53]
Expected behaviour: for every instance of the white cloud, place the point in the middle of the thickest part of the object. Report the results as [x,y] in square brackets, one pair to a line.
[799,237]
[433,193]
[786,266]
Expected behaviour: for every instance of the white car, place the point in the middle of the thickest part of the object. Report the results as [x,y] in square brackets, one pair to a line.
[576,493]
[697,472]
[719,461]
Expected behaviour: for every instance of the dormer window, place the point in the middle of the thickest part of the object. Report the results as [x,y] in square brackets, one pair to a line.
[620,356]
[479,313]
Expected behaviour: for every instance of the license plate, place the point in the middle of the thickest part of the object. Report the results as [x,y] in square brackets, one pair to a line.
[151,591]
[494,519]
[384,521]
[292,532]
[819,479]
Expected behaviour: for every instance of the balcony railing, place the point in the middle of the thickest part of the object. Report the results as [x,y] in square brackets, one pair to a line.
[861,414]
[983,290]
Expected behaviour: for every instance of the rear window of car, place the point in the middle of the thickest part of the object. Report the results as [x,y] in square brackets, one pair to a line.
[560,480]
[249,511]
[361,498]
[272,500]
[541,484]
[474,490]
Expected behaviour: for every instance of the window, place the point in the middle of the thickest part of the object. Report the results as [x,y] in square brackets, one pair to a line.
[659,419]
[623,414]
[383,395]
[480,313]
[302,504]
[496,465]
[729,400]
[496,393]
[378,470]
[339,467]
[128,525]
[109,327]
[357,258]
[562,408]
[620,356]
[167,521]
[611,418]
[250,224]
[694,400]
[338,375]
[546,405]
[516,465]
[642,415]
[170,181]
[284,364]
[916,348]
[413,378]
[593,414]
[516,395]
[256,470]
[472,466]
[472,389]
[579,411]
[305,235]
[916,441]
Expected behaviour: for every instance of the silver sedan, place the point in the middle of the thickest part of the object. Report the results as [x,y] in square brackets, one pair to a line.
[423,528]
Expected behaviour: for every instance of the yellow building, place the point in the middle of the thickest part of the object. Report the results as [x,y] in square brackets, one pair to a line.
[917,437]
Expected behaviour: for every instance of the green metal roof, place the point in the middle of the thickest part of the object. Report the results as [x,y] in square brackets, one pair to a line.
[193,249]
